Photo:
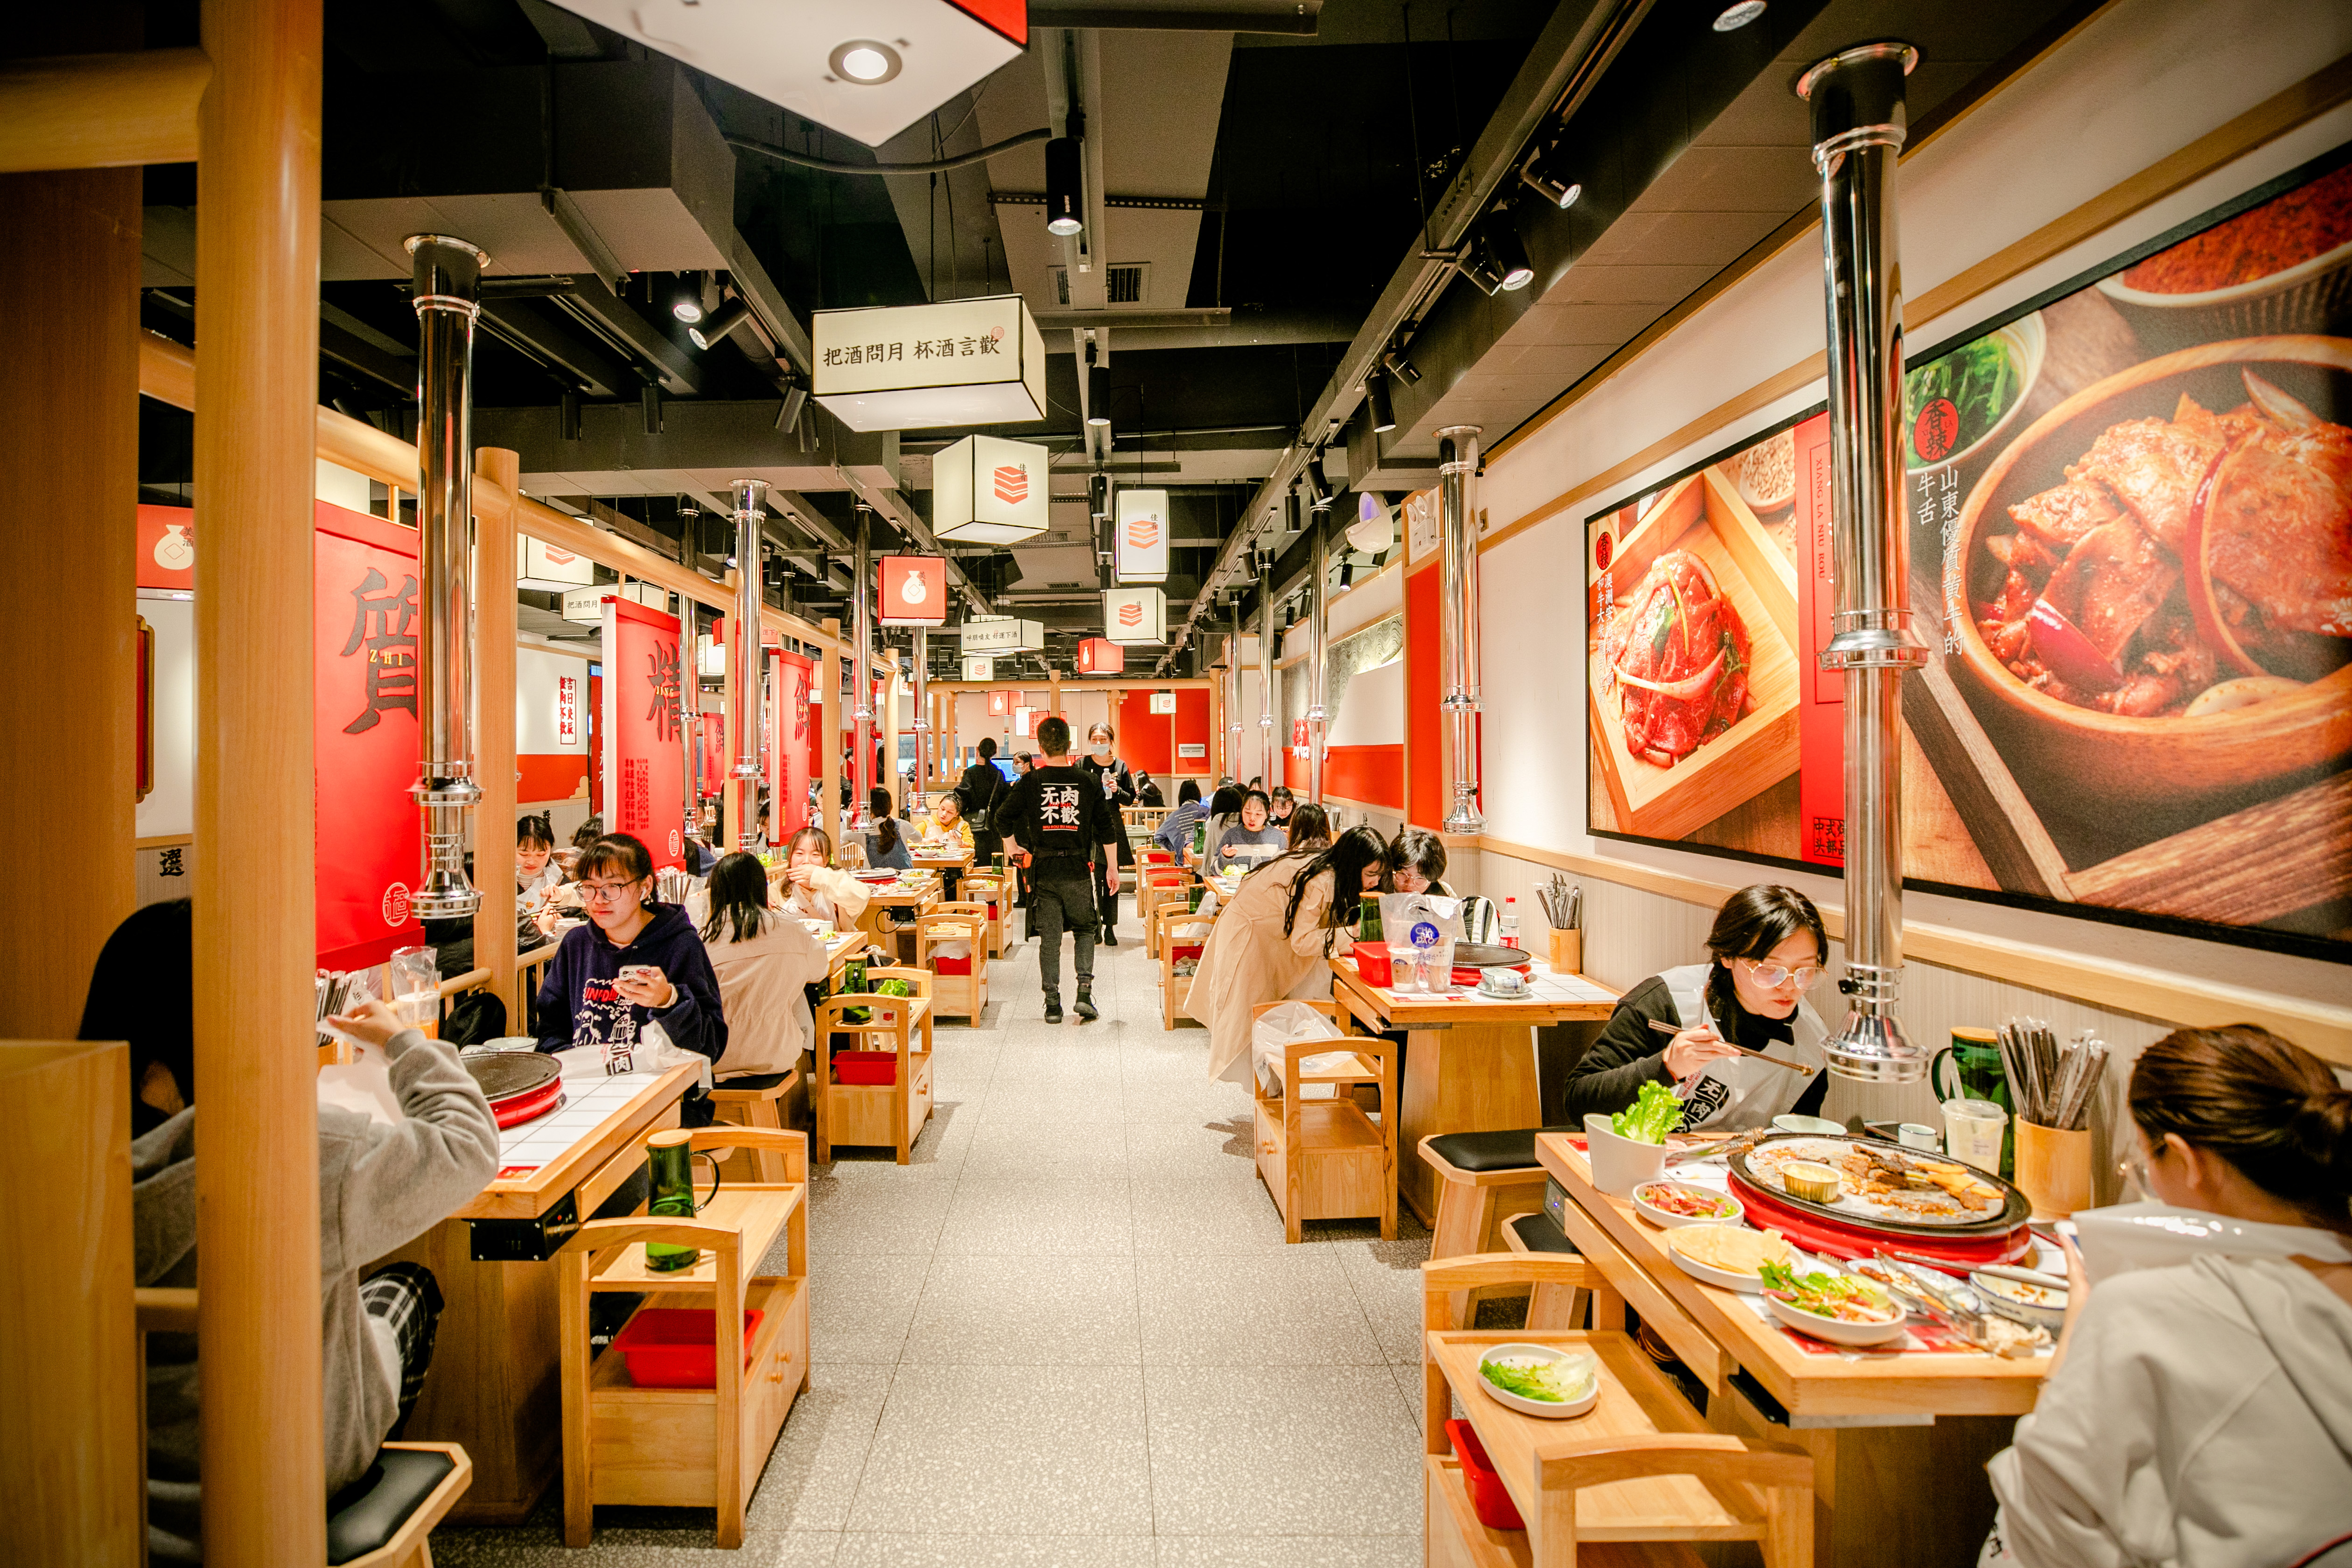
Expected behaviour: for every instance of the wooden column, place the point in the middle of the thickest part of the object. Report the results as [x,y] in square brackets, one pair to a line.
[494,726]
[70,455]
[257,418]
[828,691]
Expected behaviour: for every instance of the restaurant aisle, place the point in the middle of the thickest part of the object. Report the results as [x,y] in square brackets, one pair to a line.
[1070,1334]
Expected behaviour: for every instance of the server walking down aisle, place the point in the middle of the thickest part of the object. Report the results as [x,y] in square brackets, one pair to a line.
[979,791]
[1118,788]
[1065,826]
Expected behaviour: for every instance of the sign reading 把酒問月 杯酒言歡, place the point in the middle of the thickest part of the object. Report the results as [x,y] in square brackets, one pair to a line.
[913,367]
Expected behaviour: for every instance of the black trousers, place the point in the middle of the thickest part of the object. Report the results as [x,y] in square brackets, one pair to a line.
[1063,899]
[1106,901]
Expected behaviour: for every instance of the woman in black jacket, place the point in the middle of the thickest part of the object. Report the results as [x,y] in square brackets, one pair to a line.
[980,792]
[1102,765]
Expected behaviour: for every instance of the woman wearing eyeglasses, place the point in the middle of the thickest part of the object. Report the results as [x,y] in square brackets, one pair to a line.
[1766,951]
[637,961]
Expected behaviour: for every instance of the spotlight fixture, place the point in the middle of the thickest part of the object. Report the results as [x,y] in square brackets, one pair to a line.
[688,306]
[1497,262]
[1099,397]
[1735,17]
[1291,521]
[1403,369]
[1541,174]
[568,415]
[865,61]
[1346,574]
[649,408]
[1098,495]
[1065,209]
[1376,393]
[1318,489]
[787,415]
[730,316]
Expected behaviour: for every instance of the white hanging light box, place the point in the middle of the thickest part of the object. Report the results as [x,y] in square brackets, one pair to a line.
[868,69]
[544,569]
[989,490]
[1134,616]
[979,667]
[1002,634]
[1141,535]
[916,367]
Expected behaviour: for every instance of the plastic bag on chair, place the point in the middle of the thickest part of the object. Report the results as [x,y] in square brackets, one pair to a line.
[1276,1030]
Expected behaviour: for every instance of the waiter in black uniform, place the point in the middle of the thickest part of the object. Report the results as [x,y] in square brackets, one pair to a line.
[1065,828]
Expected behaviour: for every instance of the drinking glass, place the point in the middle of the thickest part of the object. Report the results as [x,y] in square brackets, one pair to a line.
[1972,1132]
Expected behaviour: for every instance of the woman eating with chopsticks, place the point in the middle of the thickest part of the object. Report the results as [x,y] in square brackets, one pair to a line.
[1735,1035]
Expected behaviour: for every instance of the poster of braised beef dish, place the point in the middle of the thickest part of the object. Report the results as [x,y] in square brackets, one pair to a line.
[2130,532]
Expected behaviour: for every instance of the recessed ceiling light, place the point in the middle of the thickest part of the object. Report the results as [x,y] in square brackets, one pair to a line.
[865,62]
[1737,17]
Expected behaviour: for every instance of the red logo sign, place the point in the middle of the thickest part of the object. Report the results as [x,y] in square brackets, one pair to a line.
[1934,431]
[1605,549]
[914,590]
[396,905]
[1142,532]
[999,703]
[1131,613]
[567,710]
[1012,484]
[559,557]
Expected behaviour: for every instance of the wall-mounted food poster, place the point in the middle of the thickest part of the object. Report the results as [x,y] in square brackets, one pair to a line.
[2130,530]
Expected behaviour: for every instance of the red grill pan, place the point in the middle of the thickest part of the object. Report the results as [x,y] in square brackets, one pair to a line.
[519,1085]
[1768,1210]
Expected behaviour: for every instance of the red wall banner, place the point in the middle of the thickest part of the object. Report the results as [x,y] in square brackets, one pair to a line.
[1425,720]
[363,642]
[792,756]
[644,762]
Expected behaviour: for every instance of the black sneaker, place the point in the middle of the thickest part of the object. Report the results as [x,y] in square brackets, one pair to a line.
[1086,1005]
[1053,1007]
[1110,937]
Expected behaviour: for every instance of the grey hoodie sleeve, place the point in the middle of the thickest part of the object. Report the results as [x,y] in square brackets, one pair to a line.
[401,1181]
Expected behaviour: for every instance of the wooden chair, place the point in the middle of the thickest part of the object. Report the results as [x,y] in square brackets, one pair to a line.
[987,888]
[1156,887]
[965,995]
[777,1106]
[1629,1483]
[1175,988]
[1325,1159]
[872,1114]
[435,1474]
[688,1447]
[1482,1177]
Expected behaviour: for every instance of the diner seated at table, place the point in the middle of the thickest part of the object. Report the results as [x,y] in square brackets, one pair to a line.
[1275,937]
[1175,835]
[1253,837]
[947,826]
[816,891]
[1284,805]
[1416,859]
[765,959]
[1146,790]
[1309,826]
[886,845]
[637,962]
[1225,809]
[1765,950]
[380,1184]
[2197,1413]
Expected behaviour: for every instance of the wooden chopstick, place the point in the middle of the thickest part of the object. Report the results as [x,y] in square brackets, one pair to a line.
[1665,1028]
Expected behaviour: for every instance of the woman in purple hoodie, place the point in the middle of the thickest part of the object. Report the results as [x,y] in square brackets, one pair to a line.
[636,961]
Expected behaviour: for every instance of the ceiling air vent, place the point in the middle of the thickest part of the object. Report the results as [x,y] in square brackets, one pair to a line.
[1124,283]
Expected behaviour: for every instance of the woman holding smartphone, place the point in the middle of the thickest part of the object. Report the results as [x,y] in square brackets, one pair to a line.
[636,961]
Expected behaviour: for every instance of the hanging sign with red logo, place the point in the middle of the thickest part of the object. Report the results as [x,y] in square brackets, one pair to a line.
[167,547]
[1002,703]
[547,569]
[987,490]
[1132,616]
[645,784]
[792,758]
[366,622]
[1141,534]
[1100,656]
[914,590]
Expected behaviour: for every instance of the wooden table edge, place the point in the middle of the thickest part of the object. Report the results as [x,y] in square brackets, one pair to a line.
[527,1197]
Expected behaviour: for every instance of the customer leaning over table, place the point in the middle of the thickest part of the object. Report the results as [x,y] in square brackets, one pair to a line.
[764,959]
[381,1185]
[2198,1414]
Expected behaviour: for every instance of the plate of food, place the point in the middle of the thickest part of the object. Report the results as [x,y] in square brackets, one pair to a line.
[2282,267]
[1959,403]
[1670,1206]
[1841,1308]
[2036,1306]
[1727,1256]
[1548,1381]
[1864,1181]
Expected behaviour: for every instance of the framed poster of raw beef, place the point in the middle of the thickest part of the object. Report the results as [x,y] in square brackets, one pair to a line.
[2130,534]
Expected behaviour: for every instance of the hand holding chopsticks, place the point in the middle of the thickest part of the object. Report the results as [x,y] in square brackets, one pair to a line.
[1665,1028]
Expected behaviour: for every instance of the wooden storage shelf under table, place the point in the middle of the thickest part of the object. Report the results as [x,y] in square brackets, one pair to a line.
[892,908]
[1470,1061]
[1899,1438]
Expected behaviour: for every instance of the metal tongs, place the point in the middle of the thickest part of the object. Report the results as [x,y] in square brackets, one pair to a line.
[1942,1299]
[1723,1149]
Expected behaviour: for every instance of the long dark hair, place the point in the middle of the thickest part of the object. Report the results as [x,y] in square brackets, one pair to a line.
[1751,923]
[886,825]
[2267,1106]
[530,830]
[1227,802]
[739,897]
[143,990]
[1346,860]
[1189,790]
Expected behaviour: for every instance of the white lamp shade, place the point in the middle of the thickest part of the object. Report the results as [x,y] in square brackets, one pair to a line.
[989,490]
[979,667]
[1141,534]
[915,367]
[1164,702]
[545,569]
[1135,617]
[586,606]
[1002,634]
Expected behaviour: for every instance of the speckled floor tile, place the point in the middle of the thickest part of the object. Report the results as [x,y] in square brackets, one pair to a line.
[1386,1278]
[1296,1450]
[1289,1552]
[1027,1311]
[1294,1307]
[861,1307]
[1074,1219]
[1227,1211]
[876,1549]
[1179,1151]
[865,1217]
[1008,1451]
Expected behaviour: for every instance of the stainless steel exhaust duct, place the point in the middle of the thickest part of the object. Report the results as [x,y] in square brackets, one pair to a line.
[925,762]
[447,277]
[1270,756]
[861,677]
[689,719]
[1317,627]
[1457,561]
[1859,121]
[1234,702]
[743,661]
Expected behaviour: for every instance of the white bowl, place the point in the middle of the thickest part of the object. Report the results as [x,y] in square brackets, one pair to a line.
[1809,1126]
[1721,1278]
[2032,1314]
[1620,1164]
[1837,1331]
[1666,1219]
[1549,1409]
[2027,342]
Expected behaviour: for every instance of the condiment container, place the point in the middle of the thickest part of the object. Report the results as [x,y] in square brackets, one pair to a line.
[2053,1169]
[1566,951]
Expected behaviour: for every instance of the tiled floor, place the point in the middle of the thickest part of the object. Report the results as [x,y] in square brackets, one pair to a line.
[1070,1335]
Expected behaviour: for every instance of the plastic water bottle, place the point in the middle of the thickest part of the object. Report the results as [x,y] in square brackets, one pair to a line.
[1511,922]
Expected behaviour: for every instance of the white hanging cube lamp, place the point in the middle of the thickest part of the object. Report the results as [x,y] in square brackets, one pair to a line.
[544,568]
[992,635]
[1141,534]
[917,367]
[979,666]
[1133,617]
[586,606]
[987,490]
[914,590]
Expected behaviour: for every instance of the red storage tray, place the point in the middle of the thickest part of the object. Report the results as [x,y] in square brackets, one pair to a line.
[1489,1500]
[866,1066]
[950,965]
[671,1347]
[1373,962]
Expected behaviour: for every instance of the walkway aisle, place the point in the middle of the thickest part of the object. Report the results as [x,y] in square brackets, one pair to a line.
[1070,1334]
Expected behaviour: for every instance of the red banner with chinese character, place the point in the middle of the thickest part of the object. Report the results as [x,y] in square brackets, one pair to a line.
[645,758]
[363,640]
[792,756]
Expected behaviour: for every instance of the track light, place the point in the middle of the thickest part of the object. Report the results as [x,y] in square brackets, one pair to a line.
[1495,260]
[1543,174]
[1099,397]
[568,415]
[1376,393]
[1098,495]
[1403,369]
[787,416]
[1318,489]
[1291,521]
[730,316]
[688,306]
[1346,574]
[649,408]
[1065,208]
[865,62]
[1735,17]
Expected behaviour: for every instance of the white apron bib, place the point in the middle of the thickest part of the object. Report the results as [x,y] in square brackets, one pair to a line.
[1740,1092]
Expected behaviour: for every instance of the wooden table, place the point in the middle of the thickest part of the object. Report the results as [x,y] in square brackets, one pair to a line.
[1899,1440]
[1470,1061]
[495,1382]
[914,896]
[949,861]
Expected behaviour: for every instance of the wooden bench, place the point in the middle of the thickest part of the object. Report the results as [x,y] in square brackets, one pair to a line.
[1157,887]
[966,994]
[1326,1159]
[892,1114]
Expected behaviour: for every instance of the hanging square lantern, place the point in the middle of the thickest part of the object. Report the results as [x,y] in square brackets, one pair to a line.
[1100,656]
[1002,703]
[1164,702]
[987,490]
[586,606]
[1134,616]
[544,569]
[1141,536]
[1002,634]
[1024,721]
[914,590]
[915,367]
[979,667]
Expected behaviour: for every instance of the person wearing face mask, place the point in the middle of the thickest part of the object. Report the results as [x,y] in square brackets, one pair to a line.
[1767,948]
[1102,765]
[2198,1411]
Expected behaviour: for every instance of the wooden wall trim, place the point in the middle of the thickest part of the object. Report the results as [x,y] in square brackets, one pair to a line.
[101,111]
[2121,988]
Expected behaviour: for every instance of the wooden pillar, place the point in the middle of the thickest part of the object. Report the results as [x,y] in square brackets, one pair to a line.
[828,689]
[69,607]
[256,941]
[494,728]
[1054,696]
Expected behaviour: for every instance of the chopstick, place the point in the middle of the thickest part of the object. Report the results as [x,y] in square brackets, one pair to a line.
[1665,1028]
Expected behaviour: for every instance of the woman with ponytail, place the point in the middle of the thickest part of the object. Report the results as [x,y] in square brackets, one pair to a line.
[2199,1413]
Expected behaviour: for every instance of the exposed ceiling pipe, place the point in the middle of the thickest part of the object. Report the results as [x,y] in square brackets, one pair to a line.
[446,273]
[924,761]
[1269,754]
[1857,98]
[743,678]
[1457,559]
[1317,627]
[861,679]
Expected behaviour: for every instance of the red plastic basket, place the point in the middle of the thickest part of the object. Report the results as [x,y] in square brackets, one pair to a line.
[1489,1500]
[671,1347]
[950,965]
[1373,962]
[865,1067]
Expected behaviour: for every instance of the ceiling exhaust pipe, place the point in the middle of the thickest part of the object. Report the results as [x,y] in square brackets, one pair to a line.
[743,662]
[1859,124]
[1317,627]
[861,678]
[1271,763]
[924,760]
[1457,559]
[1234,703]
[447,277]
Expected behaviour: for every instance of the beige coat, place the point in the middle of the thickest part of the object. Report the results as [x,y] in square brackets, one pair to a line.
[1249,961]
[835,896]
[759,989]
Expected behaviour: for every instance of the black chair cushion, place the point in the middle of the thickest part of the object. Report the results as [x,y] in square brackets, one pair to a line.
[371,1510]
[1483,1151]
[1540,1233]
[754,1082]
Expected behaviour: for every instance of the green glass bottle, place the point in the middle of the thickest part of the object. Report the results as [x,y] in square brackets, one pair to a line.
[1368,928]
